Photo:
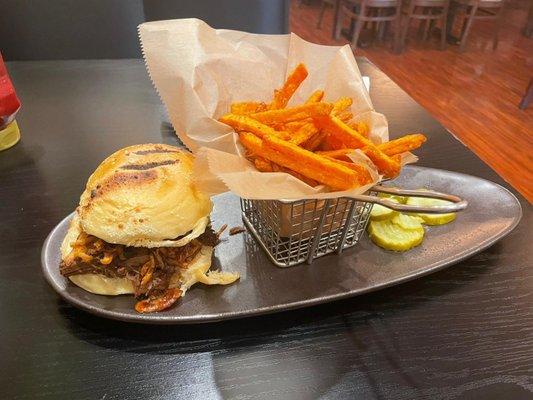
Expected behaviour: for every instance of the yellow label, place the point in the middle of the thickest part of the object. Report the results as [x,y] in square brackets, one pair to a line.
[9,136]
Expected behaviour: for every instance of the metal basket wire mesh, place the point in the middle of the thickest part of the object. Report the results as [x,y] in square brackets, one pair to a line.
[292,232]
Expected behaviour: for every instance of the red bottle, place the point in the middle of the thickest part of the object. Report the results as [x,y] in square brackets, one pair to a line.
[9,105]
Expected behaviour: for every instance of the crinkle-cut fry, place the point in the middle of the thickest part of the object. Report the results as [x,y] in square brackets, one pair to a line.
[247,107]
[341,105]
[365,176]
[403,144]
[309,164]
[246,123]
[315,97]
[353,139]
[294,80]
[314,141]
[293,113]
[345,116]
[303,134]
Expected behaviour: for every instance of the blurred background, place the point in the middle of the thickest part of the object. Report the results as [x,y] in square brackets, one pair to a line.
[468,62]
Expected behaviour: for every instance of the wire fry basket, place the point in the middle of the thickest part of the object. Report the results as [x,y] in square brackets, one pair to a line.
[293,232]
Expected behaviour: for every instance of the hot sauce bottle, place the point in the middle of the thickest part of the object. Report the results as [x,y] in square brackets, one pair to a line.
[9,106]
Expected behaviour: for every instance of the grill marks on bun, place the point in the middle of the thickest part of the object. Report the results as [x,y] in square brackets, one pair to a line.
[119,179]
[143,194]
[148,165]
[155,150]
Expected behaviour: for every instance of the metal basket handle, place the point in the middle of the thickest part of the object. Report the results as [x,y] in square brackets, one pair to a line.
[458,203]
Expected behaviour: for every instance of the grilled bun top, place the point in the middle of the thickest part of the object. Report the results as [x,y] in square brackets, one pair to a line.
[143,196]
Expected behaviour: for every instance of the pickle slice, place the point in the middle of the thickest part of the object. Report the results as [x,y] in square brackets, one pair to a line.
[432,219]
[381,213]
[399,199]
[391,236]
[409,222]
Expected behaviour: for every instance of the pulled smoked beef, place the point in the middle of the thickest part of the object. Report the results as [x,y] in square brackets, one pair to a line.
[149,269]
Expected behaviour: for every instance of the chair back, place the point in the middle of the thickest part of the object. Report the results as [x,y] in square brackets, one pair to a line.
[375,3]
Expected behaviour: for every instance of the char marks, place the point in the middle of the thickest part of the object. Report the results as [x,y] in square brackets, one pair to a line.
[154,151]
[119,179]
[148,165]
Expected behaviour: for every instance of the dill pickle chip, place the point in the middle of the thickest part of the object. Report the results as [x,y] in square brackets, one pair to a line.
[399,199]
[431,219]
[391,236]
[409,222]
[381,213]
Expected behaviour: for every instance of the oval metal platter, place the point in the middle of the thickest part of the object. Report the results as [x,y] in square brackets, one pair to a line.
[492,213]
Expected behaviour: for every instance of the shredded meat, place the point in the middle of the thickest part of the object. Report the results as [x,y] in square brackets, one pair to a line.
[149,269]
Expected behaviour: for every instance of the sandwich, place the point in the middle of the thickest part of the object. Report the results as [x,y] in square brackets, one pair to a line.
[142,228]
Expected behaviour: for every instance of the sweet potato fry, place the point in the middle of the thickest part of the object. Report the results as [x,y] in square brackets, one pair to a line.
[331,142]
[341,105]
[362,171]
[263,165]
[247,108]
[403,144]
[303,134]
[292,127]
[361,127]
[315,97]
[340,154]
[279,168]
[386,165]
[293,113]
[353,139]
[345,116]
[314,141]
[245,123]
[251,142]
[283,95]
[310,164]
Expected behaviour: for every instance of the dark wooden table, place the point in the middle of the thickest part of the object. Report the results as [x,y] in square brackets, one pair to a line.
[465,332]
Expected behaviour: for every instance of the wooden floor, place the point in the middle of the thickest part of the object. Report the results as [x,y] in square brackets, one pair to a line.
[474,94]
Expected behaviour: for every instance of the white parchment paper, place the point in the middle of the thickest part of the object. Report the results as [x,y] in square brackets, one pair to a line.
[199,71]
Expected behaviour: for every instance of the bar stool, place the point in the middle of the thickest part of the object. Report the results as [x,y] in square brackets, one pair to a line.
[378,12]
[325,4]
[428,12]
[477,10]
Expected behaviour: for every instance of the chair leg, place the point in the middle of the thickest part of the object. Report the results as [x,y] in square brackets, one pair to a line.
[406,24]
[357,31]
[321,14]
[497,29]
[338,21]
[466,27]
[381,26]
[451,12]
[397,45]
[444,29]
[528,97]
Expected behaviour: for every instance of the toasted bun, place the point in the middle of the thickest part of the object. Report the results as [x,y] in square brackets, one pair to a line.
[144,196]
[196,271]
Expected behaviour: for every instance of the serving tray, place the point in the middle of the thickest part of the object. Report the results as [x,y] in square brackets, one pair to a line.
[492,213]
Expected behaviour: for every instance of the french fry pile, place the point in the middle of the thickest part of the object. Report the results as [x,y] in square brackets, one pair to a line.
[312,141]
